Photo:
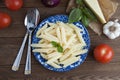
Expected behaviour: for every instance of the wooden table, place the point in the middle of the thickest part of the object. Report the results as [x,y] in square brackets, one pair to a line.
[11,39]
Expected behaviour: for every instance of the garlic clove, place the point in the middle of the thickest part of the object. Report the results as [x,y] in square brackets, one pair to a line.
[117,25]
[111,36]
[118,30]
[116,21]
[116,33]
[106,31]
[109,24]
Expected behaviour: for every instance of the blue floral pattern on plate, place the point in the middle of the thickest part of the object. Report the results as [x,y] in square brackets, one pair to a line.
[54,19]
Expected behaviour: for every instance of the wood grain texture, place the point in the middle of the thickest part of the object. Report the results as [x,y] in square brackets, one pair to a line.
[11,39]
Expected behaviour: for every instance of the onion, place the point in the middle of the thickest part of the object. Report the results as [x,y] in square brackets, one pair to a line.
[50,3]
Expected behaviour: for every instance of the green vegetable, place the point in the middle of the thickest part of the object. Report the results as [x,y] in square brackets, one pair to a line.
[80,2]
[75,15]
[85,21]
[88,13]
[55,44]
[81,13]
[60,49]
[58,46]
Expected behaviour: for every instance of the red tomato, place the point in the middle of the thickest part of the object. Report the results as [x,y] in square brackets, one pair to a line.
[103,53]
[5,20]
[14,4]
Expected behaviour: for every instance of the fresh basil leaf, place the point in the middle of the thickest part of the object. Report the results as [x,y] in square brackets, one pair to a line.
[55,44]
[82,13]
[60,49]
[75,15]
[79,2]
[88,13]
[85,20]
[58,46]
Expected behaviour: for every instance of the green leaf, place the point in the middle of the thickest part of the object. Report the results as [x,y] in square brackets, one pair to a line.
[55,44]
[88,13]
[79,2]
[75,15]
[85,20]
[60,49]
[82,13]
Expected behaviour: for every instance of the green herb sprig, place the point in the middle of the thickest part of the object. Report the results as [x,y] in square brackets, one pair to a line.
[81,13]
[58,46]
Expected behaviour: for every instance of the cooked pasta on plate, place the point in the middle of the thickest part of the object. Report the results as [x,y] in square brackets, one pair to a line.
[58,45]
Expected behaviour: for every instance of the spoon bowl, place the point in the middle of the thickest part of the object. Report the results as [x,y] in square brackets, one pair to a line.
[32,19]
[25,21]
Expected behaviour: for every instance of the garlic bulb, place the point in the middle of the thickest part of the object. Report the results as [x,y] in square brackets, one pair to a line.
[112,29]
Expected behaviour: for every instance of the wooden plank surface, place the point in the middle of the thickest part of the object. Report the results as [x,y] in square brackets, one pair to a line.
[11,38]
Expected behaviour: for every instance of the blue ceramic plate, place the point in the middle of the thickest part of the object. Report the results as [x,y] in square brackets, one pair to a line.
[54,19]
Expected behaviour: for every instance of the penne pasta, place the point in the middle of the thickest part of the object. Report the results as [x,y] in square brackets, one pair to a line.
[44,56]
[70,61]
[46,37]
[63,35]
[44,50]
[51,36]
[49,28]
[80,37]
[66,55]
[76,53]
[69,41]
[53,59]
[41,45]
[55,65]
[52,32]
[65,26]
[54,54]
[41,41]
[58,34]
[40,30]
[60,44]
[74,27]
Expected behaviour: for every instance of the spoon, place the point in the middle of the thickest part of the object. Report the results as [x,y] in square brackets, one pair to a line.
[32,20]
[16,63]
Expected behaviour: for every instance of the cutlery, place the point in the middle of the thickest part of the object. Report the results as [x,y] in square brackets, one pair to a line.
[32,20]
[16,63]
